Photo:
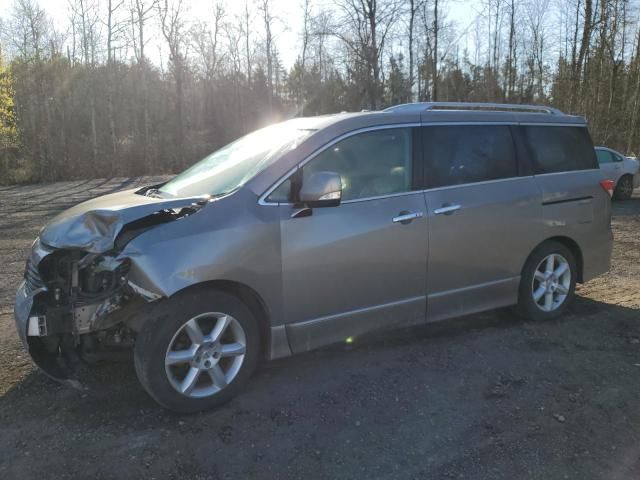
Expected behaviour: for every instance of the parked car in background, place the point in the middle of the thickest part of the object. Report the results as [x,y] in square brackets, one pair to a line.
[624,171]
[314,231]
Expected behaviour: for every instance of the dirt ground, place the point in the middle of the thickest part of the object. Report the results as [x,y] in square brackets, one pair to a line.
[483,397]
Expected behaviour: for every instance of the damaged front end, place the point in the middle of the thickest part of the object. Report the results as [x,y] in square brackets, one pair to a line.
[79,301]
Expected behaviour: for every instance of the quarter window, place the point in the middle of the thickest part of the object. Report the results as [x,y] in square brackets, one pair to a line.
[560,149]
[281,194]
[371,164]
[604,156]
[460,154]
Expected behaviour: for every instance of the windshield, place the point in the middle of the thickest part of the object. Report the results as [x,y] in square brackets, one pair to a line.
[235,164]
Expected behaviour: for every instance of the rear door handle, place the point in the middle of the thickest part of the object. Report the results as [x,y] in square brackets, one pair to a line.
[446,209]
[407,217]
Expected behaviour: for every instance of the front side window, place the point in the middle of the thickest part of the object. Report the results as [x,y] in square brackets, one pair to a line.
[560,149]
[459,154]
[232,166]
[371,164]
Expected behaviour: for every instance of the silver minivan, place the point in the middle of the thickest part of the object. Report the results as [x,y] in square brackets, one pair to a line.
[314,231]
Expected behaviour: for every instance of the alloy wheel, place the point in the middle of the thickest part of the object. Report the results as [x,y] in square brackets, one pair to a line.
[205,354]
[551,282]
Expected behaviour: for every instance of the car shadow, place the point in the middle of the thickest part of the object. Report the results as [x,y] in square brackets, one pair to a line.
[114,386]
[626,208]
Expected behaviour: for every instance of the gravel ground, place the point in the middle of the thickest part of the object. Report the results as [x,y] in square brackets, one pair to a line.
[484,397]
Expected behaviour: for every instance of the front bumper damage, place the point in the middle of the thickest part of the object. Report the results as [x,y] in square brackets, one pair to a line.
[31,329]
[82,299]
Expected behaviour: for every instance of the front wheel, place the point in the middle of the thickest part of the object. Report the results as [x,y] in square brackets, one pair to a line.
[198,352]
[548,282]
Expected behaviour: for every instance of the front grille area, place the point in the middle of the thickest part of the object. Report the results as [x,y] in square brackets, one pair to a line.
[33,282]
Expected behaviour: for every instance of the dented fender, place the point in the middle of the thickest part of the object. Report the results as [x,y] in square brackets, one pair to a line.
[236,240]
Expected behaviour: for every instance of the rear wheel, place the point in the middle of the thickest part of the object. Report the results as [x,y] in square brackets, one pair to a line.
[548,282]
[199,352]
[624,189]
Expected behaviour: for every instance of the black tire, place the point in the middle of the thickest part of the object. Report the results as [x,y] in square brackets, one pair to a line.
[157,333]
[527,306]
[624,188]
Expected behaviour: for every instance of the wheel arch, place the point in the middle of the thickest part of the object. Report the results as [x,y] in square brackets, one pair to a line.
[250,298]
[572,245]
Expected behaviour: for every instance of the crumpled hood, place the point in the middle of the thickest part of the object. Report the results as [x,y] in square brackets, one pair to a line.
[94,225]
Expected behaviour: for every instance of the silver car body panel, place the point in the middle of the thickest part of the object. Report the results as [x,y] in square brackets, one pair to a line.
[574,206]
[351,269]
[477,252]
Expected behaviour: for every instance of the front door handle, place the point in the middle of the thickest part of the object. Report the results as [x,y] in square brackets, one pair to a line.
[406,217]
[446,209]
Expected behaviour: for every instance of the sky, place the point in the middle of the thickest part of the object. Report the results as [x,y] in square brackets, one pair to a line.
[288,14]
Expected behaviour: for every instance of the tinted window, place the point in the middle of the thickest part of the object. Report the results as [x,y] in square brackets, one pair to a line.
[604,156]
[459,154]
[560,149]
[371,164]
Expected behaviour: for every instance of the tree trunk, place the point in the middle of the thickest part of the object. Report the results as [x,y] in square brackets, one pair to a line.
[412,15]
[436,33]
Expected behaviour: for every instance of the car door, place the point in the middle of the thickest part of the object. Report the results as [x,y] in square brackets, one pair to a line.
[484,218]
[361,265]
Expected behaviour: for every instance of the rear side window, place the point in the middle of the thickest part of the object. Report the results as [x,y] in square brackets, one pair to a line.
[604,156]
[559,149]
[459,154]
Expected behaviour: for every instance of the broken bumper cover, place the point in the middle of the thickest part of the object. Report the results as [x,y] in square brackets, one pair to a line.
[79,282]
[45,361]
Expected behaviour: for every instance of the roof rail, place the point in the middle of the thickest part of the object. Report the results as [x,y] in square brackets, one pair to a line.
[423,106]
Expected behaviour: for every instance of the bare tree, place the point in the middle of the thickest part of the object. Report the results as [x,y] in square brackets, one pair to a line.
[268,19]
[436,36]
[173,30]
[509,74]
[306,39]
[247,41]
[584,46]
[27,30]
[635,70]
[86,17]
[364,27]
[115,28]
[306,30]
[140,14]
[206,38]
[414,8]
[106,108]
[536,12]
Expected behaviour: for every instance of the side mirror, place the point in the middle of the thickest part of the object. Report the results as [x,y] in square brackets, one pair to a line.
[322,189]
